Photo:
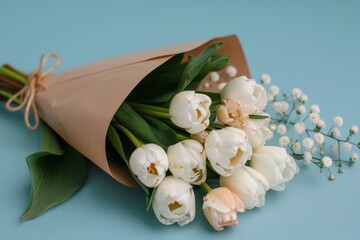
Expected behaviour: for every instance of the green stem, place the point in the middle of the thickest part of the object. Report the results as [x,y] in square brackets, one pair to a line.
[181,137]
[206,187]
[13,75]
[9,95]
[149,107]
[137,142]
[339,153]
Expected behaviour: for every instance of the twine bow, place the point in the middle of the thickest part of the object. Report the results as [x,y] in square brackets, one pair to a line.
[27,94]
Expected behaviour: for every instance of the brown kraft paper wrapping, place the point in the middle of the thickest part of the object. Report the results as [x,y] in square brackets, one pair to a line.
[80,103]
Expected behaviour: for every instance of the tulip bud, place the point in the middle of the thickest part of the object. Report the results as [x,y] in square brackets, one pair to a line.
[227,149]
[149,164]
[174,202]
[221,207]
[275,165]
[191,111]
[251,95]
[232,113]
[187,160]
[249,185]
[200,137]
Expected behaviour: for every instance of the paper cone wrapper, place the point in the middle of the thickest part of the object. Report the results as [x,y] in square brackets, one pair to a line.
[80,103]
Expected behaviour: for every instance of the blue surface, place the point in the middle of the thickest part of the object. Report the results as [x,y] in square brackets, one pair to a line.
[313,45]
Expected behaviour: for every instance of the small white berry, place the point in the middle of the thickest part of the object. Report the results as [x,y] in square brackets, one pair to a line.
[308,143]
[300,110]
[274,90]
[321,124]
[315,109]
[319,138]
[281,129]
[335,133]
[272,127]
[299,128]
[206,85]
[304,98]
[332,176]
[265,79]
[284,141]
[326,161]
[296,93]
[314,117]
[313,149]
[354,157]
[296,146]
[231,71]
[347,147]
[354,129]
[338,121]
[214,76]
[335,148]
[307,157]
[280,107]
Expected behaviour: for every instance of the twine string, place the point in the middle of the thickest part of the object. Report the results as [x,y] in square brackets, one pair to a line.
[27,94]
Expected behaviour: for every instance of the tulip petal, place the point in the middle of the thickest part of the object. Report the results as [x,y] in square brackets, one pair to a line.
[264,164]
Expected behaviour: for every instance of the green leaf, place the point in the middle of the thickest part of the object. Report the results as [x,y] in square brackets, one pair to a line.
[215,63]
[136,124]
[149,199]
[57,171]
[258,117]
[214,126]
[160,85]
[115,141]
[165,134]
[195,64]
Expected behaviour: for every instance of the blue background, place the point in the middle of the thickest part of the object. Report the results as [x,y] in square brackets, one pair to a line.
[313,45]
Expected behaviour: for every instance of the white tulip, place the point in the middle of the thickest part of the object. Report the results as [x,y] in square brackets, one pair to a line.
[174,202]
[275,164]
[149,164]
[249,185]
[251,95]
[221,207]
[227,149]
[191,111]
[187,160]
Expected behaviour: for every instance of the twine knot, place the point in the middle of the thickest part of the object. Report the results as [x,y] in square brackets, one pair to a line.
[27,94]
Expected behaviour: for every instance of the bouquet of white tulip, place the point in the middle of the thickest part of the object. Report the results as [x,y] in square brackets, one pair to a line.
[218,136]
[173,139]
